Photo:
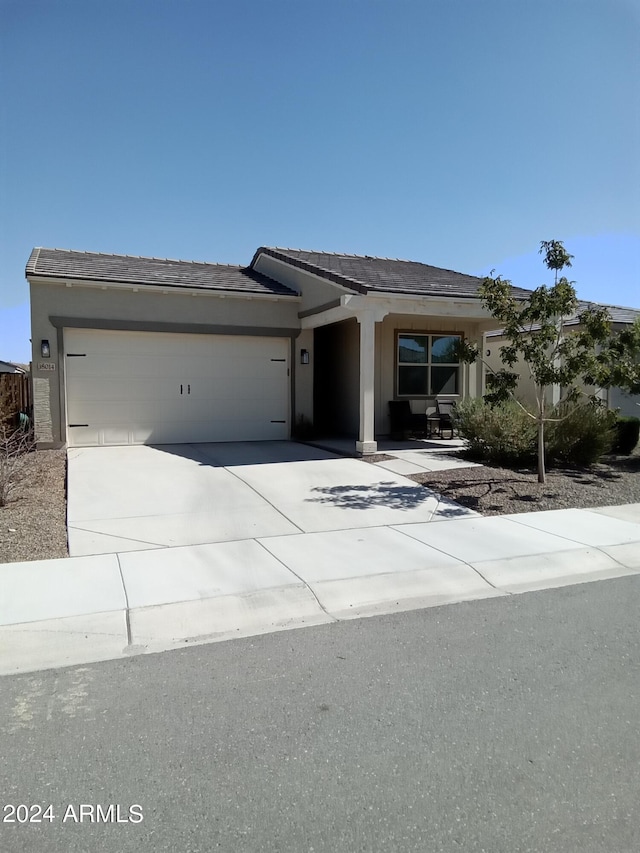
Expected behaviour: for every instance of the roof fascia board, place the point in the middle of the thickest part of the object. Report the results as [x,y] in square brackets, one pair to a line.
[98,284]
[319,309]
[325,318]
[349,306]
[464,307]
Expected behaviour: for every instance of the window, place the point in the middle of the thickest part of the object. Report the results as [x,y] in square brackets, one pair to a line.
[427,365]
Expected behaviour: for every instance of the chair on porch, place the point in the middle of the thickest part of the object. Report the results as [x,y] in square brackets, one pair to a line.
[444,409]
[433,418]
[404,422]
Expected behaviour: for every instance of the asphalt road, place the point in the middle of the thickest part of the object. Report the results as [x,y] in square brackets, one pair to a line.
[503,725]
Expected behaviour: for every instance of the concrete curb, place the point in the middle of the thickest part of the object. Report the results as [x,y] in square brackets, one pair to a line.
[67,641]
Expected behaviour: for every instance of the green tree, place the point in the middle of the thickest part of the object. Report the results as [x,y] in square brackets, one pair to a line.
[535,334]
[617,363]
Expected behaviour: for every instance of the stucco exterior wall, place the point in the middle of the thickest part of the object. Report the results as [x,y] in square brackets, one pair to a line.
[314,292]
[141,309]
[337,391]
[526,391]
[629,404]
[348,387]
[303,373]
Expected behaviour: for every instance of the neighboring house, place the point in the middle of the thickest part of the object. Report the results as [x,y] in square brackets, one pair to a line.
[131,350]
[15,394]
[8,367]
[615,398]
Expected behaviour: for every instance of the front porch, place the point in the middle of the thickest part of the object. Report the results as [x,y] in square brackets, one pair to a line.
[365,351]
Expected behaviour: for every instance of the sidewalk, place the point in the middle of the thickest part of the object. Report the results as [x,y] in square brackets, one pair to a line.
[85,609]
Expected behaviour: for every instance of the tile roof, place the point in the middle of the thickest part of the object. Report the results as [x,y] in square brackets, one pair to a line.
[617,314]
[366,274]
[129,269]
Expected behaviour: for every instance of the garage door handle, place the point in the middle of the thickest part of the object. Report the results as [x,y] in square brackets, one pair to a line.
[188,389]
[181,389]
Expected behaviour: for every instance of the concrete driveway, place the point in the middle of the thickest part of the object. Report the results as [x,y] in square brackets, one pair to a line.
[140,498]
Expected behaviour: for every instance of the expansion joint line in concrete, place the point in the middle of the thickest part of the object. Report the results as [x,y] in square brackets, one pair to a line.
[203,455]
[601,549]
[302,580]
[549,533]
[117,535]
[464,562]
[126,603]
[253,489]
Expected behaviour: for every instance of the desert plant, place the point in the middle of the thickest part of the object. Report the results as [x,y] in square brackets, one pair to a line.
[627,434]
[580,434]
[14,447]
[534,332]
[500,432]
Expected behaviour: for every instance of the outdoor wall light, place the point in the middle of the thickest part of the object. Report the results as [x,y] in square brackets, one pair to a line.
[304,356]
[45,349]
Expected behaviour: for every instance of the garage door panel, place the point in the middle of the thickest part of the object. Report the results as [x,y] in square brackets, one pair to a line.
[97,413]
[143,390]
[154,412]
[114,434]
[87,390]
[83,436]
[246,410]
[159,433]
[127,387]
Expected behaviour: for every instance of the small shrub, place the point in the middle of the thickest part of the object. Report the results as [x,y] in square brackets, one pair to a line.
[500,433]
[584,433]
[14,446]
[627,434]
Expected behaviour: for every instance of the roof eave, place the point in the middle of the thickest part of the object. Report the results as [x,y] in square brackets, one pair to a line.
[98,283]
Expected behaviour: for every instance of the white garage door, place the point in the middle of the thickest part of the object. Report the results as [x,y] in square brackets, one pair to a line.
[161,388]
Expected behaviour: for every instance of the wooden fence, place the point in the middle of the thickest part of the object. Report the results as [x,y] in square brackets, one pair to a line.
[16,396]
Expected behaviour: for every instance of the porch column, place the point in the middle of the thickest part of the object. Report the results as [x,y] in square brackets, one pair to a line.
[366,434]
[475,370]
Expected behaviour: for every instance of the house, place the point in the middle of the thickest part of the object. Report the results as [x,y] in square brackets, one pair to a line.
[615,398]
[9,367]
[133,350]
[15,395]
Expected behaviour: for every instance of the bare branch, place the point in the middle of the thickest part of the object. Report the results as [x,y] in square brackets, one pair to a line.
[14,447]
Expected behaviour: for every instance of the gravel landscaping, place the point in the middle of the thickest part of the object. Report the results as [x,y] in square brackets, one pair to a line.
[498,491]
[33,524]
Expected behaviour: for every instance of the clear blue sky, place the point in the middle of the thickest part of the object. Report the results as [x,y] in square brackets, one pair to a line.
[459,133]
